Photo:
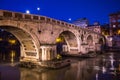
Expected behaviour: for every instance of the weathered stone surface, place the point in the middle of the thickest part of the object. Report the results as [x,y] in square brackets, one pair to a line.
[35,32]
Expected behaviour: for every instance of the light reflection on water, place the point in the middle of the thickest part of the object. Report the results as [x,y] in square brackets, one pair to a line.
[103,67]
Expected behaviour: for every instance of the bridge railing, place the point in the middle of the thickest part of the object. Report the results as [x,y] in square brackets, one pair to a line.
[18,15]
[23,16]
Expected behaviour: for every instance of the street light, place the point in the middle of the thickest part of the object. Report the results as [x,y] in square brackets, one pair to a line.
[69,19]
[38,8]
[27,11]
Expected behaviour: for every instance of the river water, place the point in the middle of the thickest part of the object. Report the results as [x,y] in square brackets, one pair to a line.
[102,67]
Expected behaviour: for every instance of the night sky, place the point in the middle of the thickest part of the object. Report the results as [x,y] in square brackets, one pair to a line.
[94,10]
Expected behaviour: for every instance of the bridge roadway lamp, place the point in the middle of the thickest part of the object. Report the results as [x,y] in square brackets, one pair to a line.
[27,11]
[38,8]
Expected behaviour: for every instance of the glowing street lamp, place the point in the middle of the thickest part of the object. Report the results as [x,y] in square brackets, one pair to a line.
[38,9]
[69,19]
[118,32]
[27,11]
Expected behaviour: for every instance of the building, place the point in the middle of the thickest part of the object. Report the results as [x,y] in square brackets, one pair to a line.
[114,23]
[96,28]
[105,29]
[82,22]
[114,30]
[102,29]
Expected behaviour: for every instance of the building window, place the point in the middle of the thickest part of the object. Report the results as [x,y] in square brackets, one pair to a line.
[118,20]
[119,25]
[119,32]
[114,26]
[114,20]
[119,16]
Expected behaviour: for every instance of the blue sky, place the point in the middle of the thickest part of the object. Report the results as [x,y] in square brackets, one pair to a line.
[94,10]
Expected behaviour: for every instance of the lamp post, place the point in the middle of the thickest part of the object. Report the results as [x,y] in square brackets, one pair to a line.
[39,30]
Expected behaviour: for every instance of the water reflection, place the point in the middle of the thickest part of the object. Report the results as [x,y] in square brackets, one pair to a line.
[9,56]
[79,70]
[103,67]
[109,67]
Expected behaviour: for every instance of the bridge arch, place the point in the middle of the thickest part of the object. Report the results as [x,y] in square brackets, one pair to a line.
[102,41]
[29,44]
[89,40]
[68,40]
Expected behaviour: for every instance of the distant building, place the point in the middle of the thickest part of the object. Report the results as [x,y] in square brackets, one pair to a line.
[82,22]
[114,23]
[105,29]
[96,28]
[96,23]
[114,30]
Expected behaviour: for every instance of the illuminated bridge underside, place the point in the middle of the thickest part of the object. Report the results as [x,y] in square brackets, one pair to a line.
[70,40]
[38,34]
[28,46]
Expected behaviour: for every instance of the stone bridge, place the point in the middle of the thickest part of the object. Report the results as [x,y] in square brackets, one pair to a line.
[41,37]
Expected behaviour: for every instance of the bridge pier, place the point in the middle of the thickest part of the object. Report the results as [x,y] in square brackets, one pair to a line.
[65,48]
[84,48]
[98,47]
[48,52]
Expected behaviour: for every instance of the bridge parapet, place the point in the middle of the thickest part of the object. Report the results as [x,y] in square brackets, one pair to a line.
[23,16]
[4,14]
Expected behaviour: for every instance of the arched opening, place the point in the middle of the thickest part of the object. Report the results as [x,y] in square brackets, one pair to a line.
[90,40]
[28,44]
[60,41]
[66,42]
[82,37]
[102,44]
[101,41]
[9,47]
